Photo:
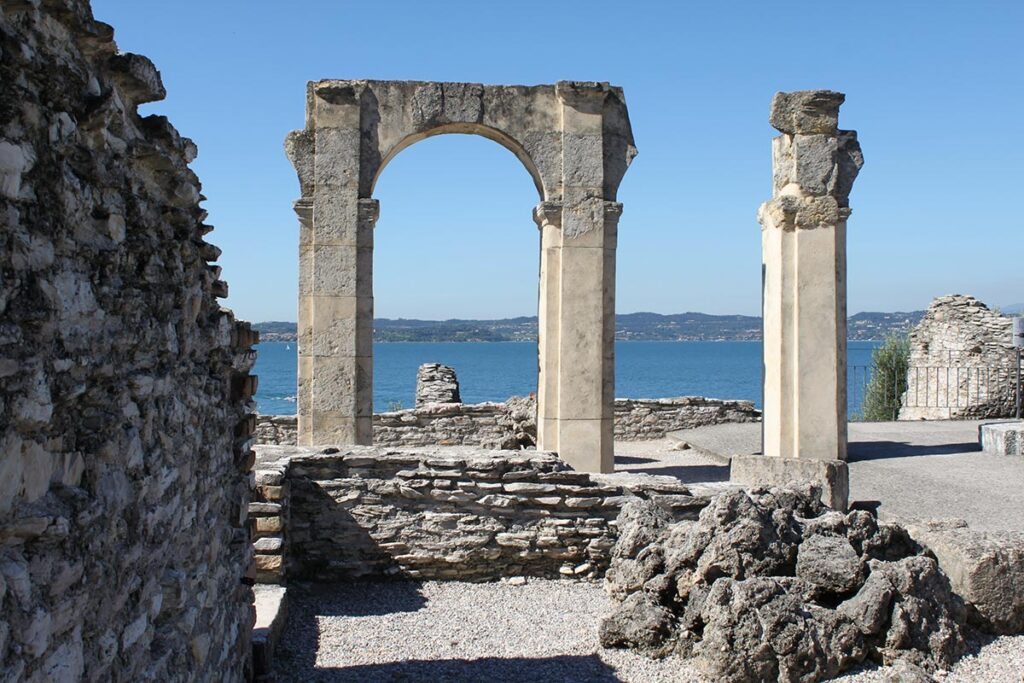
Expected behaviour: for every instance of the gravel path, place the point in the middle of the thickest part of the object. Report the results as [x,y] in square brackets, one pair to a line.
[539,632]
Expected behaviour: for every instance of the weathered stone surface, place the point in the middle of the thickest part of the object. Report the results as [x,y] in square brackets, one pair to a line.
[829,563]
[124,386]
[833,476]
[962,363]
[436,383]
[986,569]
[806,111]
[771,585]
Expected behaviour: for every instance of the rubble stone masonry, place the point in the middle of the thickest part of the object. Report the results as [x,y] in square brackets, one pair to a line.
[124,386]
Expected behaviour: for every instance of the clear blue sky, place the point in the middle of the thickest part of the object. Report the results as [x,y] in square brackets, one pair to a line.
[933,88]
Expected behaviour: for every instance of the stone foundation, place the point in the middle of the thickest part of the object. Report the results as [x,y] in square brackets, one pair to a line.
[1002,438]
[512,424]
[440,513]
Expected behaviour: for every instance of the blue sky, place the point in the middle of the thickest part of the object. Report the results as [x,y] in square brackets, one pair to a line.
[934,90]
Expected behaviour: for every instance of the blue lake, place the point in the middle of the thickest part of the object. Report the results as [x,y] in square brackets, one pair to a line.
[493,371]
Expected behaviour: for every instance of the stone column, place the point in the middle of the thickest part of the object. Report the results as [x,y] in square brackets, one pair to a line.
[340,330]
[586,308]
[548,216]
[804,297]
[304,209]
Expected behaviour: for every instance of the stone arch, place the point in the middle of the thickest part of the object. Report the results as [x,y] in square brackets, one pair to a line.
[492,134]
[574,139]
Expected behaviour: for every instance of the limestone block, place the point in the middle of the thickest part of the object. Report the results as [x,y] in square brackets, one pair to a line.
[1002,438]
[806,111]
[761,470]
[986,569]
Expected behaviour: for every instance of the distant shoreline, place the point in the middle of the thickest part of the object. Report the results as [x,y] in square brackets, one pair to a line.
[628,327]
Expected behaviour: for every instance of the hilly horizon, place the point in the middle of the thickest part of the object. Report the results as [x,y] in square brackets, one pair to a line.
[640,326]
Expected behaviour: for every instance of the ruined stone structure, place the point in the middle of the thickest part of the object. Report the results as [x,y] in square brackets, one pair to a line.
[124,386]
[436,383]
[962,363]
[803,233]
[512,424]
[575,141]
[463,514]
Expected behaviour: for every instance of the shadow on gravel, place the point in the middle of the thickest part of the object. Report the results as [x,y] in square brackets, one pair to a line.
[879,450]
[631,460]
[540,670]
[689,474]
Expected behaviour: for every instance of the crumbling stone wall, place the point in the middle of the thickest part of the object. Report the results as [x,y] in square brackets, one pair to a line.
[513,424]
[962,363]
[443,513]
[124,451]
[436,383]
[637,419]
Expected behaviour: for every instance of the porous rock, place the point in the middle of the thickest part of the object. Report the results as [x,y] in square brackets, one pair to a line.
[771,585]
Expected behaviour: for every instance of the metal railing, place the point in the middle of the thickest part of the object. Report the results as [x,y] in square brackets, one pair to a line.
[934,391]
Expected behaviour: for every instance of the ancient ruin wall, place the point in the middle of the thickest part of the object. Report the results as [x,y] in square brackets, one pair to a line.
[638,419]
[512,424]
[962,364]
[440,513]
[123,385]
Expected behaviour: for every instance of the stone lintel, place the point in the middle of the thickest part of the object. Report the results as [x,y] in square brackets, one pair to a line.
[761,470]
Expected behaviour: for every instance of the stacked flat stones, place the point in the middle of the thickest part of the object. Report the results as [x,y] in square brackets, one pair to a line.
[443,513]
[124,398]
[436,383]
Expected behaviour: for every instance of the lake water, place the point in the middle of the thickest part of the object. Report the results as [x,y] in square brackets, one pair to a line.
[493,371]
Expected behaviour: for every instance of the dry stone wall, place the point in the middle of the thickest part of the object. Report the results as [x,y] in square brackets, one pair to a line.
[637,419]
[124,386]
[962,363]
[443,513]
[513,424]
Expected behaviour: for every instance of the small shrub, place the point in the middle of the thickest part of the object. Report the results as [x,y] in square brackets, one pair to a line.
[883,396]
[394,406]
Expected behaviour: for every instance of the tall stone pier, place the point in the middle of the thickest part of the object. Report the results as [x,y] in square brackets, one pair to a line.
[575,141]
[803,234]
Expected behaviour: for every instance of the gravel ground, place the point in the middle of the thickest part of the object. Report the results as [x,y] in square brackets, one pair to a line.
[538,632]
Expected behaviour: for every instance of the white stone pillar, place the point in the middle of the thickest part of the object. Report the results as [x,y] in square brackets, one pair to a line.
[340,326]
[586,281]
[548,216]
[804,297]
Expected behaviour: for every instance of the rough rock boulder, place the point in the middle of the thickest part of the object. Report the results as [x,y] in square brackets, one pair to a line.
[772,585]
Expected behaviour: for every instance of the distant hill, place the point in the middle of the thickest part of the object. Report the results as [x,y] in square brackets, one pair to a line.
[1012,309]
[631,326]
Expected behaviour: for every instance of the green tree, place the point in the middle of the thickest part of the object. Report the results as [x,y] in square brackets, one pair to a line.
[888,379]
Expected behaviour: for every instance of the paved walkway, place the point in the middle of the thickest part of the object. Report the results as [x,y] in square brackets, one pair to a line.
[917,470]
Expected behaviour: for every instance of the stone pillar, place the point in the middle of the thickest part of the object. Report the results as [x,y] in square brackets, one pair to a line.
[304,209]
[340,328]
[804,297]
[548,216]
[586,282]
[436,383]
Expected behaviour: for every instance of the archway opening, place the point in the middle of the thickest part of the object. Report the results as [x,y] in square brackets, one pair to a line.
[455,279]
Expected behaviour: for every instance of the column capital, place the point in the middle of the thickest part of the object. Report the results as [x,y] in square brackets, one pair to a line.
[548,213]
[793,212]
[303,208]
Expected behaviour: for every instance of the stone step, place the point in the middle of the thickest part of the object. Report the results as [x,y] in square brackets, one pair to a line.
[271,613]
